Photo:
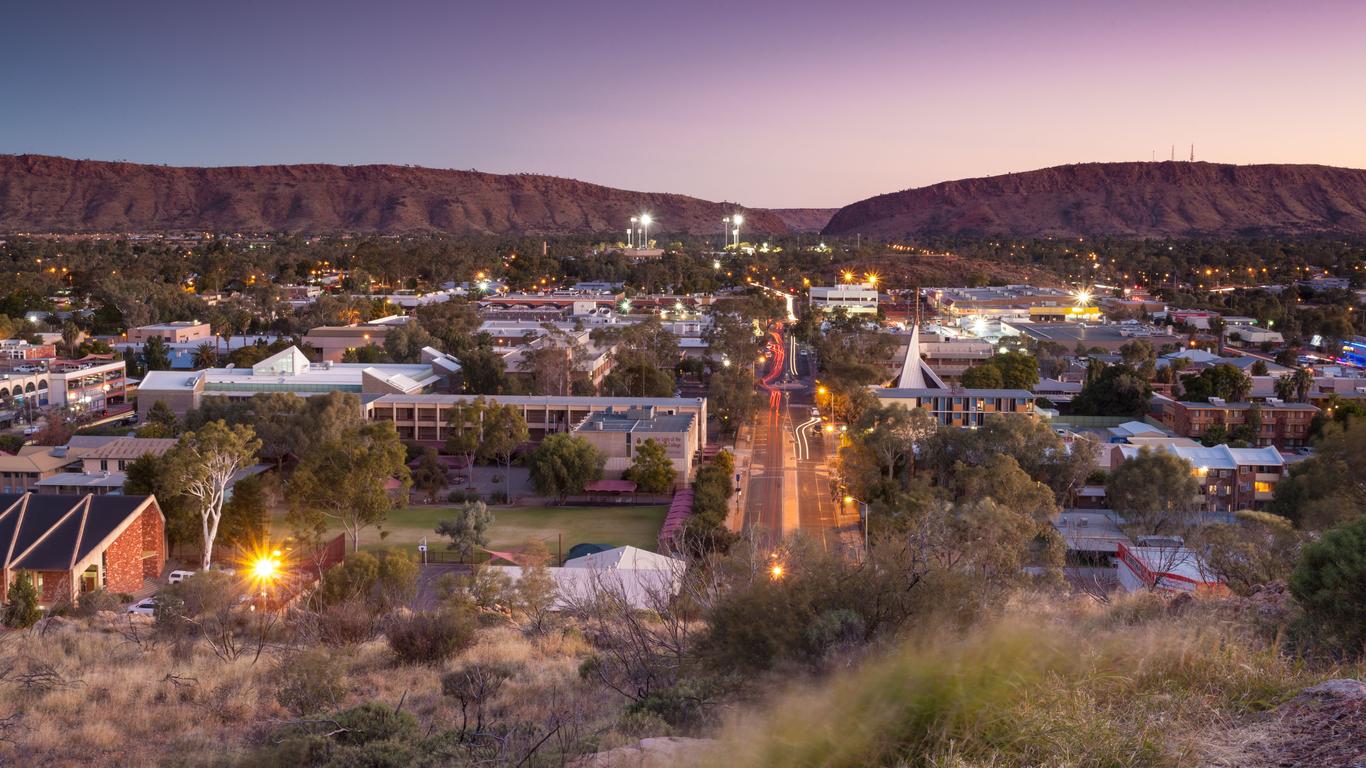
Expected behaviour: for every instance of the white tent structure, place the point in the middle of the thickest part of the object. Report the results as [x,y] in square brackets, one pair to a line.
[638,578]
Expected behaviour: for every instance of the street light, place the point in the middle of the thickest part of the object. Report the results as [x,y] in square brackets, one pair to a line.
[645,230]
[738,219]
[863,513]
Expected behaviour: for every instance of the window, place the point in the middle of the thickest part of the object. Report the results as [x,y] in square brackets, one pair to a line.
[1262,487]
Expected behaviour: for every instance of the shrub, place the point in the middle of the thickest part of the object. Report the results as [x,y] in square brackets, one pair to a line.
[473,685]
[309,682]
[1330,583]
[21,604]
[431,637]
[95,601]
[351,579]
[397,579]
[460,496]
[346,623]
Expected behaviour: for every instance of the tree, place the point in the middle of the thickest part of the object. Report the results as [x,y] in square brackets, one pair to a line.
[71,335]
[156,356]
[1116,390]
[468,529]
[505,430]
[1257,549]
[245,513]
[1156,491]
[893,432]
[161,421]
[731,397]
[149,475]
[535,593]
[1222,380]
[983,376]
[465,431]
[482,371]
[563,464]
[203,465]
[430,475]
[651,470]
[21,603]
[1328,488]
[205,356]
[344,480]
[404,343]
[1330,583]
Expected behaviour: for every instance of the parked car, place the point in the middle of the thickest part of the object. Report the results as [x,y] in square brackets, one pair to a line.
[815,413]
[144,607]
[176,577]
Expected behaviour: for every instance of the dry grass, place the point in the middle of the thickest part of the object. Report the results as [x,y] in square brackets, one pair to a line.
[1120,686]
[119,702]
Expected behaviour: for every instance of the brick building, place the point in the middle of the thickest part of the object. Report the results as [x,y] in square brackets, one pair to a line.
[1284,425]
[71,545]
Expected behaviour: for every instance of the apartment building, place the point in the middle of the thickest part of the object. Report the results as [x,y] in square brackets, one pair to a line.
[960,407]
[618,434]
[1230,478]
[1283,425]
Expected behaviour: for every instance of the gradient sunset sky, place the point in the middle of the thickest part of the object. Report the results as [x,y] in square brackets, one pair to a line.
[766,103]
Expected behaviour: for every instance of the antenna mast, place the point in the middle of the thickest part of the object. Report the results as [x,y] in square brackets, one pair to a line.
[1192,153]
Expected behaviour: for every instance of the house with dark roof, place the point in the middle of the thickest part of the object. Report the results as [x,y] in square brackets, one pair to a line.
[70,545]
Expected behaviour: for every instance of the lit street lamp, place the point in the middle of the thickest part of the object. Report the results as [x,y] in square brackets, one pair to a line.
[645,230]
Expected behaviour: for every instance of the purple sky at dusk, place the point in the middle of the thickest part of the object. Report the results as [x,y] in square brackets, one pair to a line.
[766,103]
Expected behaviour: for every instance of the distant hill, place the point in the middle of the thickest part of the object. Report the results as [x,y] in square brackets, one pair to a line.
[805,219]
[53,194]
[1174,199]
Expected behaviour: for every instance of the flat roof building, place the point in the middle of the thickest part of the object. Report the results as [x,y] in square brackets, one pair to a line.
[290,371]
[177,332]
[618,434]
[852,298]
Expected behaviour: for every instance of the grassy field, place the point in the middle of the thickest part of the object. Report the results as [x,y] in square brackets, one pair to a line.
[637,526]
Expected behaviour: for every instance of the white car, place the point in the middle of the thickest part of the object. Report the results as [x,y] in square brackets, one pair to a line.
[815,413]
[175,577]
[144,607]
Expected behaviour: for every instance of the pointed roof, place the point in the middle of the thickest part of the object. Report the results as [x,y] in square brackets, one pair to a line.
[915,374]
[286,362]
[626,558]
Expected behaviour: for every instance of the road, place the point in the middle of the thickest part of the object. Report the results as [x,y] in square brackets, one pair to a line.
[789,487]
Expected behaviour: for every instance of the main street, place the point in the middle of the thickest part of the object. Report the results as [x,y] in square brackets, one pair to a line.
[789,488]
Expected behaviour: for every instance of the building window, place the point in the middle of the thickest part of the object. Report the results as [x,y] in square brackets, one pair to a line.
[1262,487]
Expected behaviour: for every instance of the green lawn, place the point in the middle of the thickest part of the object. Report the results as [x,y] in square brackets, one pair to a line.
[637,526]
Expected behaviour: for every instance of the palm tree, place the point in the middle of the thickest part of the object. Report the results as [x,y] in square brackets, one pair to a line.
[1303,382]
[205,356]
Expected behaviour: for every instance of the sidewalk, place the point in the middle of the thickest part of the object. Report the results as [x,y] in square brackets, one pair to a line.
[743,451]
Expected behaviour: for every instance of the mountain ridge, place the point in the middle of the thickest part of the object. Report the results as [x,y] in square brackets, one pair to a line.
[57,194]
[1163,199]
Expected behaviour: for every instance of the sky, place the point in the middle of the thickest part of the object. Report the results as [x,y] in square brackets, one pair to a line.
[776,103]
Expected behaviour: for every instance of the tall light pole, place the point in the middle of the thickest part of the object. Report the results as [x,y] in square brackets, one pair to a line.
[725,232]
[738,219]
[645,230]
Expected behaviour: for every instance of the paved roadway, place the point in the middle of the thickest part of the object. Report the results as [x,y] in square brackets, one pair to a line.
[789,484]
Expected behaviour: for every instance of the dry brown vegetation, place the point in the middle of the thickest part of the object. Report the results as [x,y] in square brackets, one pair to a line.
[102,693]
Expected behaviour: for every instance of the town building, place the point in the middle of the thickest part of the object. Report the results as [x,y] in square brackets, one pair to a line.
[964,301]
[171,333]
[919,386]
[423,418]
[618,434]
[1284,425]
[20,349]
[70,545]
[91,384]
[1165,569]
[855,299]
[291,371]
[331,342]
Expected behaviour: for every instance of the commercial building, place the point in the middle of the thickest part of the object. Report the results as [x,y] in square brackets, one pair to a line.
[94,383]
[171,333]
[853,298]
[618,434]
[19,349]
[290,371]
[423,418]
[1107,336]
[1284,425]
[990,300]
[70,545]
